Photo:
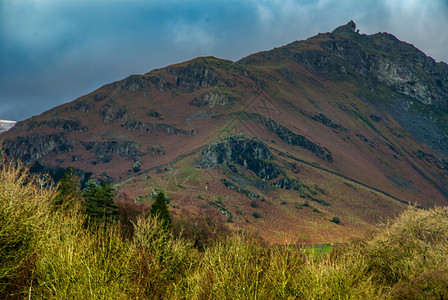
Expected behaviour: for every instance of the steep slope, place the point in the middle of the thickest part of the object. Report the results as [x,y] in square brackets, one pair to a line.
[311,142]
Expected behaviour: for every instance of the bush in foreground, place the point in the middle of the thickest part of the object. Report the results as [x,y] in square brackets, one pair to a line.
[51,254]
[25,206]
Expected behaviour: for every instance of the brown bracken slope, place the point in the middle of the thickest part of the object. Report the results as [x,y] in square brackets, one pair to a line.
[313,142]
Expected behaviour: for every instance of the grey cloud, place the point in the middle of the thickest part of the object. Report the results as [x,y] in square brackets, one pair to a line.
[54,51]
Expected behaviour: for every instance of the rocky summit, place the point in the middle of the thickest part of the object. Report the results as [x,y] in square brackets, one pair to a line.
[316,141]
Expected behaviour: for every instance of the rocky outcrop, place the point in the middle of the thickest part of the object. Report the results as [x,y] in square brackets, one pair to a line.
[33,147]
[160,82]
[287,74]
[211,99]
[202,114]
[369,61]
[295,139]
[249,181]
[193,77]
[241,190]
[153,151]
[153,113]
[97,97]
[80,105]
[112,112]
[348,28]
[133,83]
[287,184]
[104,150]
[382,58]
[251,154]
[233,149]
[321,118]
[58,124]
[168,129]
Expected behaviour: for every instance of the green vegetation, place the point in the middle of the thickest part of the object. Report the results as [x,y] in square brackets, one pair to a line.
[99,202]
[69,189]
[51,254]
[159,210]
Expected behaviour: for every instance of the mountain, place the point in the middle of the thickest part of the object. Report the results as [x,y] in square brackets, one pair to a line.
[6,125]
[312,142]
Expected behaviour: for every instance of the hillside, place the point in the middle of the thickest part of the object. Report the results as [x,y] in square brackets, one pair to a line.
[315,141]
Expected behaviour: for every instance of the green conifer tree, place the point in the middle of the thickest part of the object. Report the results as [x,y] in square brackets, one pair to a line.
[69,189]
[99,202]
[159,209]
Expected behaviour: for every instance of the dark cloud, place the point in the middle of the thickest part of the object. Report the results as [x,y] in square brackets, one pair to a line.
[54,51]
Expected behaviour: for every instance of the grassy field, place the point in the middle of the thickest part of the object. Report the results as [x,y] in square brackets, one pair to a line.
[50,254]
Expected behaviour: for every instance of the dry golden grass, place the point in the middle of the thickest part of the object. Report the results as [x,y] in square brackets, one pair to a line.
[24,210]
[50,254]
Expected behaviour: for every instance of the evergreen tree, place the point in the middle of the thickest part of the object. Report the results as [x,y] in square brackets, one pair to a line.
[69,189]
[99,203]
[159,209]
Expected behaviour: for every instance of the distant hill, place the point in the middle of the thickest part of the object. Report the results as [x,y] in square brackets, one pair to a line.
[314,141]
[6,125]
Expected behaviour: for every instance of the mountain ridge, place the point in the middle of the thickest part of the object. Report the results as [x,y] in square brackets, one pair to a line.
[340,125]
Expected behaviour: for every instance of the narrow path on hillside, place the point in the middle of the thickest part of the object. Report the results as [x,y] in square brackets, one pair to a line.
[314,165]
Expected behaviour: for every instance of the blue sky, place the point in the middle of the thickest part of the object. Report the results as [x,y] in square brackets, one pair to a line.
[54,51]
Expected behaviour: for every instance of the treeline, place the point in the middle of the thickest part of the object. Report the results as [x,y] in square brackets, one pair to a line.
[97,200]
[54,247]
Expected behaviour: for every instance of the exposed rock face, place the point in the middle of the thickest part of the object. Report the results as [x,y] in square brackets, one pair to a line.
[250,153]
[295,139]
[99,97]
[414,88]
[156,151]
[112,112]
[133,83]
[103,150]
[211,99]
[194,77]
[168,129]
[287,74]
[59,124]
[382,57]
[370,61]
[233,149]
[349,28]
[82,106]
[35,146]
[202,114]
[321,118]
[241,190]
[287,184]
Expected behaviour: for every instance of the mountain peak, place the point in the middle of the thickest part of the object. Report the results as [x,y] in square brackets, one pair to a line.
[284,141]
[350,27]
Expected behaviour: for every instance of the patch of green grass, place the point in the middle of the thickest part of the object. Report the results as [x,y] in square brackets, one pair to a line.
[319,249]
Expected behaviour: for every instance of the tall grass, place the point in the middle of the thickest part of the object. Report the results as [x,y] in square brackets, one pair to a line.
[50,254]
[24,209]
